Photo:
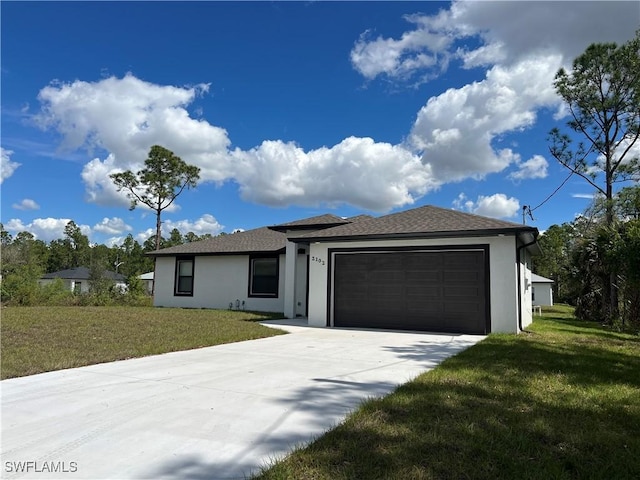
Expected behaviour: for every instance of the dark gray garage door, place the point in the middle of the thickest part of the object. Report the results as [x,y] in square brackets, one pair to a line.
[440,291]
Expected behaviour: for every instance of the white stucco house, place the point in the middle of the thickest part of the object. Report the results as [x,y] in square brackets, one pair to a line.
[77,279]
[428,268]
[541,290]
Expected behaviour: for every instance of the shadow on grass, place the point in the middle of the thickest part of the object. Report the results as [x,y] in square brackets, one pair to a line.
[565,325]
[530,411]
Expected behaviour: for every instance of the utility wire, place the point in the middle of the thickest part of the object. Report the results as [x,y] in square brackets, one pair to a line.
[552,194]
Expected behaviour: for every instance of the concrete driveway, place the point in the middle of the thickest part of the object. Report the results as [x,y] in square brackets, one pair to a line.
[213,413]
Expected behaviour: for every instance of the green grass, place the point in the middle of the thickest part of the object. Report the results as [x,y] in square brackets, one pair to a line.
[561,402]
[41,339]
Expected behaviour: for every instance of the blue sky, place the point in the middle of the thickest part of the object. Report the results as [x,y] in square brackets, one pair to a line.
[290,109]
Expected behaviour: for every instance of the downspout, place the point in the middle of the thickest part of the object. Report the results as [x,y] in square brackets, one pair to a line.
[519,250]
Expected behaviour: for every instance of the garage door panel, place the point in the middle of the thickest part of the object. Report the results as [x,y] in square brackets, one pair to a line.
[464,276]
[426,290]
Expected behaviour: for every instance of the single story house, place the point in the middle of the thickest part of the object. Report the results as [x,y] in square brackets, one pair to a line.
[541,290]
[147,281]
[427,268]
[77,279]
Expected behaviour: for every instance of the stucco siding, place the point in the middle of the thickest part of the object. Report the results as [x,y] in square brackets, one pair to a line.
[543,294]
[502,276]
[526,286]
[218,281]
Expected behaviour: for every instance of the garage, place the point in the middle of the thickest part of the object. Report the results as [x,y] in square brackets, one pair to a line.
[442,290]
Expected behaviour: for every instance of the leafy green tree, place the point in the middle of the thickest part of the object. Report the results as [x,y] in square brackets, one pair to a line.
[627,203]
[554,261]
[175,238]
[78,243]
[602,95]
[23,263]
[158,184]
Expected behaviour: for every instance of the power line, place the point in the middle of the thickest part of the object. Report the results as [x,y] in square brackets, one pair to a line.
[527,209]
[554,192]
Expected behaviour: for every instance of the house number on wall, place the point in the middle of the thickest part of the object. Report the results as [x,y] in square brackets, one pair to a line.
[316,259]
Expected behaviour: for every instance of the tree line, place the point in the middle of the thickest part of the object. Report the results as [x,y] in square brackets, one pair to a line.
[25,259]
[579,257]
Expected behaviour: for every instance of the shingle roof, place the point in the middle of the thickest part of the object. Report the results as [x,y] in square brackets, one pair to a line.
[327,218]
[359,218]
[261,239]
[424,221]
[428,220]
[320,221]
[82,273]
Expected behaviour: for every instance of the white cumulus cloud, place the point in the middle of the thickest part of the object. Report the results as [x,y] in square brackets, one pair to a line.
[535,167]
[112,226]
[203,225]
[521,45]
[7,167]
[358,171]
[124,117]
[26,204]
[496,205]
[45,229]
[457,129]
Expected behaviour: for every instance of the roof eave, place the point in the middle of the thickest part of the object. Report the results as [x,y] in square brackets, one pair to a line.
[211,254]
[319,226]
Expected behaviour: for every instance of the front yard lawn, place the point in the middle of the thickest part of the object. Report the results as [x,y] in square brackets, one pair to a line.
[41,339]
[561,402]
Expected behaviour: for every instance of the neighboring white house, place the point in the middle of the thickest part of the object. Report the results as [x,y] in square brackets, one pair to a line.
[541,290]
[147,280]
[427,268]
[77,279]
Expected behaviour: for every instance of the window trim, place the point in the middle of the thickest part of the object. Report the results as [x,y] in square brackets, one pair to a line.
[176,277]
[250,293]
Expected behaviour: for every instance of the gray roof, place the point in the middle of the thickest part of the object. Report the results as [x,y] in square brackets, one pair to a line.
[325,219]
[421,221]
[261,239]
[538,279]
[312,223]
[82,273]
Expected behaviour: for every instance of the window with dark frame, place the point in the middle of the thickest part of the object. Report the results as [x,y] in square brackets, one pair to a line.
[263,276]
[184,276]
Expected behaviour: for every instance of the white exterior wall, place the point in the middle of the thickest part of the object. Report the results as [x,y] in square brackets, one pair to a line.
[502,264]
[544,294]
[301,285]
[218,281]
[526,286]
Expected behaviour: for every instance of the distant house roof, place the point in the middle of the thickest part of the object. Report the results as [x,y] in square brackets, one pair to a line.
[421,221]
[82,273]
[538,279]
